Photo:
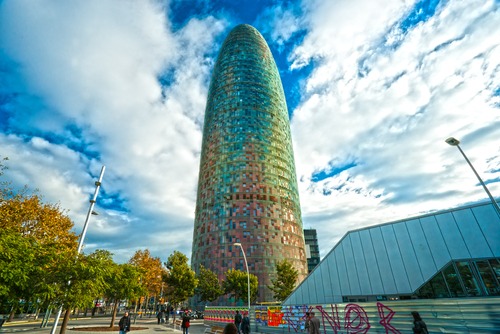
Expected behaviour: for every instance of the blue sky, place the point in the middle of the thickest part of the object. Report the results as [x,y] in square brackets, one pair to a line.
[373,88]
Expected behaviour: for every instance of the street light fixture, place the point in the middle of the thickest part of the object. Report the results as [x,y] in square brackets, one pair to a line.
[455,142]
[82,237]
[248,275]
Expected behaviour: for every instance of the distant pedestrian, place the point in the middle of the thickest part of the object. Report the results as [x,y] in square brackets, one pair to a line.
[185,323]
[124,324]
[169,310]
[237,321]
[230,329]
[420,326]
[245,324]
[159,316]
[308,317]
[313,324]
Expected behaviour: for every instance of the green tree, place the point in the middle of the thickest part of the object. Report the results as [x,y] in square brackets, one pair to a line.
[82,280]
[284,284]
[124,283]
[208,288]
[180,279]
[29,268]
[236,284]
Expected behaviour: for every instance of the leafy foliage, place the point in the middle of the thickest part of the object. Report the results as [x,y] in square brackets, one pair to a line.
[284,284]
[124,283]
[236,284]
[208,288]
[152,270]
[181,280]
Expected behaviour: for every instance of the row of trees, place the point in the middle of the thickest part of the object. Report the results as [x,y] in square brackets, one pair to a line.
[39,265]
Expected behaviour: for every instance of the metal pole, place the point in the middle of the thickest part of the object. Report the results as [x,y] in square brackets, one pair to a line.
[495,204]
[82,237]
[248,276]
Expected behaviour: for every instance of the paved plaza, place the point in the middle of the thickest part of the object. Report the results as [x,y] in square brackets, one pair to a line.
[196,327]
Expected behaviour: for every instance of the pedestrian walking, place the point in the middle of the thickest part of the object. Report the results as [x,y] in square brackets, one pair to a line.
[313,324]
[124,324]
[230,329]
[245,324]
[159,316]
[237,321]
[185,323]
[308,317]
[420,326]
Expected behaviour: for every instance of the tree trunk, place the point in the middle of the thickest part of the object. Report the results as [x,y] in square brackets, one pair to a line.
[95,307]
[11,315]
[175,308]
[37,312]
[65,321]
[113,318]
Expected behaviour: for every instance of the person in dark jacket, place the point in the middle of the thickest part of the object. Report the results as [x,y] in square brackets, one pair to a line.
[314,324]
[237,320]
[420,326]
[245,324]
[185,323]
[124,324]
[159,316]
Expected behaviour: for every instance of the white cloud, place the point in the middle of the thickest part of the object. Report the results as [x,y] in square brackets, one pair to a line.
[95,66]
[280,22]
[386,100]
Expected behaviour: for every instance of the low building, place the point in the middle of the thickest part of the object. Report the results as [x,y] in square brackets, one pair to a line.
[448,254]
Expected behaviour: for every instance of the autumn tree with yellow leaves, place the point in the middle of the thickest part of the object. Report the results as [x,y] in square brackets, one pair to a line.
[152,269]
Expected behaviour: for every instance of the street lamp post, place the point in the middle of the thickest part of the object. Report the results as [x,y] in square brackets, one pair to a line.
[82,237]
[455,142]
[248,275]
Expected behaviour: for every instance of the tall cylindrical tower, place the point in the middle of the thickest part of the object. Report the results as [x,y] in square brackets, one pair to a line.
[247,187]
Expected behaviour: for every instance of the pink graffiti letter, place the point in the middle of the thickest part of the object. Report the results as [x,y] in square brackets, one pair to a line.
[385,319]
[356,319]
[335,313]
[289,319]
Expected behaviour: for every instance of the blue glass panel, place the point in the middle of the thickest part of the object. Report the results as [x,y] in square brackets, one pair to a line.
[452,236]
[383,261]
[394,253]
[327,288]
[431,250]
[331,263]
[351,266]
[342,270]
[472,234]
[311,288]
[318,283]
[489,222]
[359,257]
[408,254]
[371,263]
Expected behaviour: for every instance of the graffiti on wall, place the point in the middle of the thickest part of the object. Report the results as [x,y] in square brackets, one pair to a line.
[223,314]
[270,316]
[353,319]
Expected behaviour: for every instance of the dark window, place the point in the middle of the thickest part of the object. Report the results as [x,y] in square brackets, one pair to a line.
[381,297]
[453,283]
[488,278]
[468,279]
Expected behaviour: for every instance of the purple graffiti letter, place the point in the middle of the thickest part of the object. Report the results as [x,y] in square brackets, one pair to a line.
[385,319]
[356,319]
[336,323]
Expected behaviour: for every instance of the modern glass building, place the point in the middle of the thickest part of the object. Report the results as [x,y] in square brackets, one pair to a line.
[447,254]
[247,187]
[312,249]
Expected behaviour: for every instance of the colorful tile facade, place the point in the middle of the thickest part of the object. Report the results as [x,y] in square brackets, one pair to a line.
[247,188]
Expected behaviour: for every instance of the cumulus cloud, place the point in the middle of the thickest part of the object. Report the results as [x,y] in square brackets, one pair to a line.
[280,22]
[383,97]
[109,83]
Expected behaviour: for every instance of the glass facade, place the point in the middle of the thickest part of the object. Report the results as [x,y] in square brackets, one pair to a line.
[247,187]
[464,279]
[311,239]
